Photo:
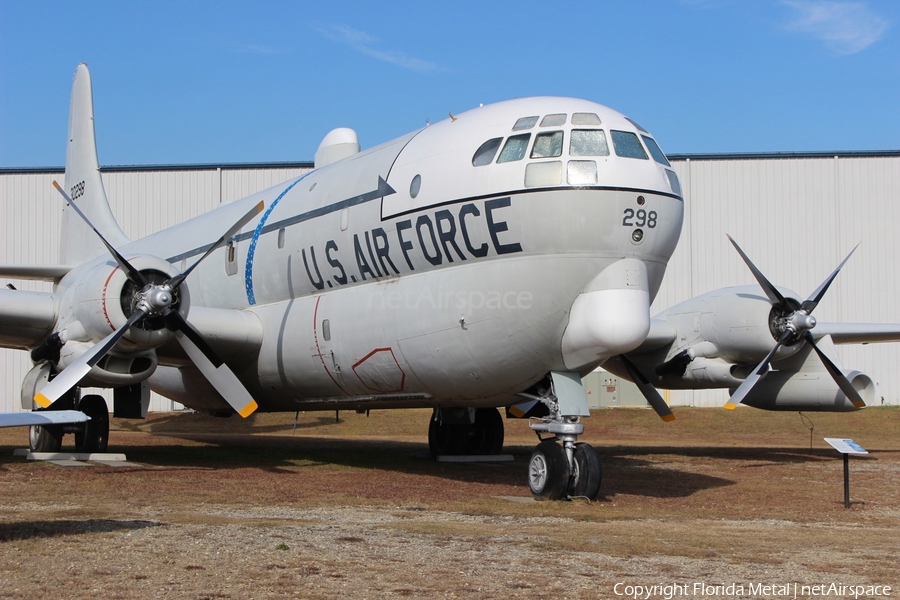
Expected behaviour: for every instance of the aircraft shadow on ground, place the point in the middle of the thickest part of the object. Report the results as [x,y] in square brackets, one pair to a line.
[623,472]
[25,530]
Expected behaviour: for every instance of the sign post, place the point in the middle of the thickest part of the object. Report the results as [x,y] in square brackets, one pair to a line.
[846,448]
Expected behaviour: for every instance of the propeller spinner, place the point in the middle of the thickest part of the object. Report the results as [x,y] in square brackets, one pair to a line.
[156,299]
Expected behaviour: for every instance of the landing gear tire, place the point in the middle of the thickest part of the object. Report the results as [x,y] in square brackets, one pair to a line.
[443,438]
[548,471]
[485,435]
[587,475]
[45,439]
[94,436]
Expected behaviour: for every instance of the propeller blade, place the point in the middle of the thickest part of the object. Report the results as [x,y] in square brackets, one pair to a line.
[257,208]
[813,301]
[774,295]
[650,393]
[75,372]
[837,375]
[213,368]
[133,274]
[758,373]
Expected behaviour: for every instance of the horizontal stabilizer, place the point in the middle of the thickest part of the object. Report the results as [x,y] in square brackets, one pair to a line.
[49,417]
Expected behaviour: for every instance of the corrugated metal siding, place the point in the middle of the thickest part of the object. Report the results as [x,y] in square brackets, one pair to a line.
[143,201]
[795,216]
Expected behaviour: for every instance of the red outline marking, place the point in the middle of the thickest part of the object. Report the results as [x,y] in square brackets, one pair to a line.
[399,368]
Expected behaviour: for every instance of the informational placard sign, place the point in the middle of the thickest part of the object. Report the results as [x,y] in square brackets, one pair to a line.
[845,446]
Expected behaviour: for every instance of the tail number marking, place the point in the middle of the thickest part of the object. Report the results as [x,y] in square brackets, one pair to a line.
[77,190]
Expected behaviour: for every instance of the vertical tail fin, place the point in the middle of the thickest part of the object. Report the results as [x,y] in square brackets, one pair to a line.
[83,182]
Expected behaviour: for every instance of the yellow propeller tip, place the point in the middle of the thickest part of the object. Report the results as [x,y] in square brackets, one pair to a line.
[668,418]
[42,400]
[730,406]
[248,410]
[56,185]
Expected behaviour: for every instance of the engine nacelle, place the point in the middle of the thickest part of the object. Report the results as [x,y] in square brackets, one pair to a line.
[735,320]
[806,391]
[101,301]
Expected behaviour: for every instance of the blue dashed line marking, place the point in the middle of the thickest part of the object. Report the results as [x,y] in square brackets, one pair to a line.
[248,269]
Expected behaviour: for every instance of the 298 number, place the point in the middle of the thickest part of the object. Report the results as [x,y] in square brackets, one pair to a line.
[639,218]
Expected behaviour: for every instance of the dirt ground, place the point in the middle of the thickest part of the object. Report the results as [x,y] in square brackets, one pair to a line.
[715,504]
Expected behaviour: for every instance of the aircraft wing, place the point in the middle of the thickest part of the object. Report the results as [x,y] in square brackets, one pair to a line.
[49,417]
[26,317]
[858,333]
[36,272]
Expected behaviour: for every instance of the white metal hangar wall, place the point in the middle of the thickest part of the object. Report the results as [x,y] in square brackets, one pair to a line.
[795,214]
[143,200]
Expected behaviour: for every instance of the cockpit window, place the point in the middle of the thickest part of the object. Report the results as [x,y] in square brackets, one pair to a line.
[525,123]
[585,119]
[628,145]
[515,148]
[486,153]
[555,120]
[547,145]
[636,125]
[655,151]
[588,142]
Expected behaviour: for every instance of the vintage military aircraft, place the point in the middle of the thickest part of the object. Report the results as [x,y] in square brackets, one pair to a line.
[489,260]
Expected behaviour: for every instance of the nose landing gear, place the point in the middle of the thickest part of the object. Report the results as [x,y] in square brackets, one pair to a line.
[562,467]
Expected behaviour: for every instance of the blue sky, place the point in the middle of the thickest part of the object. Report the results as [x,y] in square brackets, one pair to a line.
[201,82]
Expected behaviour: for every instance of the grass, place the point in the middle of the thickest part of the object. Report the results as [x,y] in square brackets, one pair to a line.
[714,487]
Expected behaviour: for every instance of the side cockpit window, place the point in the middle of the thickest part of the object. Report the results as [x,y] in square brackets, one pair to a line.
[515,148]
[548,145]
[486,153]
[588,142]
[655,151]
[628,145]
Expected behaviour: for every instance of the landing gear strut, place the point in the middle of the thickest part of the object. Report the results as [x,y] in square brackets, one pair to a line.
[562,467]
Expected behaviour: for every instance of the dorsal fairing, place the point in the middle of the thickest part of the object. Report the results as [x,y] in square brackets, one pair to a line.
[83,182]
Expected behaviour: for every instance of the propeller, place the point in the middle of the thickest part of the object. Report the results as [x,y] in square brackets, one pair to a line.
[158,300]
[792,322]
[650,393]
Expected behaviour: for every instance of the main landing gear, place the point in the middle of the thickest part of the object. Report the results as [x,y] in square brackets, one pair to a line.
[90,437]
[465,431]
[562,467]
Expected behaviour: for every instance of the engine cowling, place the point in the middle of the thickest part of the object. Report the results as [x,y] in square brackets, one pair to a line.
[737,321]
[100,302]
[806,391]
